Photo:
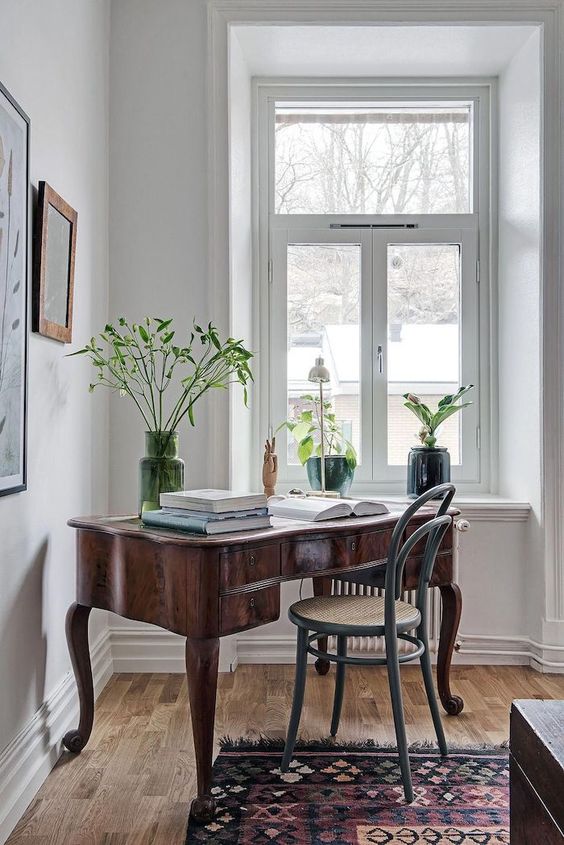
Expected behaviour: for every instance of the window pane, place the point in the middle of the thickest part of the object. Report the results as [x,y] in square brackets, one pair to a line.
[372,160]
[323,319]
[423,340]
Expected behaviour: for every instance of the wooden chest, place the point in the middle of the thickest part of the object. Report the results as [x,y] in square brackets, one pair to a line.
[536,772]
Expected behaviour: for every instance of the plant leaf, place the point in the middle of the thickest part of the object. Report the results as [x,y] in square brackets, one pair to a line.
[420,411]
[301,430]
[350,455]
[446,412]
[305,449]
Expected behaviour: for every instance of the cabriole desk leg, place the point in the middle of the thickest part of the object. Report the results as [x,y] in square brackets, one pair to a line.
[452,608]
[202,660]
[77,640]
[322,587]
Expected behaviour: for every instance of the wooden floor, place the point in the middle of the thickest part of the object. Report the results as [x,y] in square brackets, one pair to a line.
[134,782]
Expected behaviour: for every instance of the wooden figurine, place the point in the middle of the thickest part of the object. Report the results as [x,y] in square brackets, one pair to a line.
[270,468]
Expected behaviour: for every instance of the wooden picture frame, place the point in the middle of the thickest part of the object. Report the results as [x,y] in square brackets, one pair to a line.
[53,281]
[15,234]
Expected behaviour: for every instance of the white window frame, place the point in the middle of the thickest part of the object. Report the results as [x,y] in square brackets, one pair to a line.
[471,230]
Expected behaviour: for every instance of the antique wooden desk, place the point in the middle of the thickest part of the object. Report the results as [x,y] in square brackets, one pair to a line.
[204,588]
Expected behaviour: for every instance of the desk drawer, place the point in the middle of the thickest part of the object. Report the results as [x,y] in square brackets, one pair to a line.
[246,567]
[418,549]
[367,547]
[245,610]
[305,556]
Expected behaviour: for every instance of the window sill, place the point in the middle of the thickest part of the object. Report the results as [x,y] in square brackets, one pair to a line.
[485,508]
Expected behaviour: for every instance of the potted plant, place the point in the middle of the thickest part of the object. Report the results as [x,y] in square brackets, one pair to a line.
[340,454]
[165,379]
[429,464]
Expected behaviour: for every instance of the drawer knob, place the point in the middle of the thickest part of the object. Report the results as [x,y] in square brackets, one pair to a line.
[252,602]
[252,560]
[353,546]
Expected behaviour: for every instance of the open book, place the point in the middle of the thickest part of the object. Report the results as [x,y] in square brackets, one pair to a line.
[317,510]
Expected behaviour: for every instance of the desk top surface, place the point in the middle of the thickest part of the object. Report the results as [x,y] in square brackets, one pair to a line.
[282,529]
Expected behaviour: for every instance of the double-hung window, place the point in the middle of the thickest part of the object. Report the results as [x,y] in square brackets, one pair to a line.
[370,215]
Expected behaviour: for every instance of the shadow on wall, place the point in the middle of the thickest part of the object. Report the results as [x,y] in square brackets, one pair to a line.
[23,647]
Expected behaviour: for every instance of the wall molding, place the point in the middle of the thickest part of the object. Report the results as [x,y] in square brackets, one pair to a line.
[471,650]
[156,650]
[482,649]
[159,651]
[32,754]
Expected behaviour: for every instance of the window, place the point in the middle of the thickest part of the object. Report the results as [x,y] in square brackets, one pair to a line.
[373,159]
[370,216]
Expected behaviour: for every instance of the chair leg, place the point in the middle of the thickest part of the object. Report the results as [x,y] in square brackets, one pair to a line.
[299,687]
[425,661]
[339,685]
[397,708]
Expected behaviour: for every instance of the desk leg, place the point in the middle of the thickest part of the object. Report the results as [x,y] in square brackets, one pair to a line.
[322,587]
[201,669]
[452,608]
[77,641]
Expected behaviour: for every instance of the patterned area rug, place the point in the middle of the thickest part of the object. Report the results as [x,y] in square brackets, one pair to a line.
[335,795]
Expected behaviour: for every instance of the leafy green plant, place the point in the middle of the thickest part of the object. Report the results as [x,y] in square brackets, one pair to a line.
[305,429]
[145,362]
[447,406]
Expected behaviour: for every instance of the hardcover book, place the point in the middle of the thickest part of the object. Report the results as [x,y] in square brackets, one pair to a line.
[213,501]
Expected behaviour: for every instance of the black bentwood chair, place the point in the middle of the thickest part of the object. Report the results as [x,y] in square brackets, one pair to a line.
[375,616]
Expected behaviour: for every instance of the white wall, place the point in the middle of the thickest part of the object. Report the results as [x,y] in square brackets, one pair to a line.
[54,61]
[242,442]
[519,312]
[158,201]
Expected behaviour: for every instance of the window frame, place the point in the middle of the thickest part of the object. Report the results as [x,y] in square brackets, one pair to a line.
[475,475]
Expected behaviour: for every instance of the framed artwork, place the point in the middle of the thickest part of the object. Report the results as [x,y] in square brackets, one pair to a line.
[14,251]
[53,281]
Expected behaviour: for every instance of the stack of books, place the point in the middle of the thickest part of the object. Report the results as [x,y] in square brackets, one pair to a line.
[209,512]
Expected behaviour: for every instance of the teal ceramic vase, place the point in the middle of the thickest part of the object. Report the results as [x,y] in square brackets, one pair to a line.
[161,470]
[338,474]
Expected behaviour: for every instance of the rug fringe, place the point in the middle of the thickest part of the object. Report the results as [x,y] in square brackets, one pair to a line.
[276,744]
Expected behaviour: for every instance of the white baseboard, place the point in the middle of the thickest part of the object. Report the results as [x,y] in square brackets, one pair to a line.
[155,650]
[484,649]
[473,649]
[31,755]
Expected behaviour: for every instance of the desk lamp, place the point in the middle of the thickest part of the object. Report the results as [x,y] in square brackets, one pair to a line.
[319,374]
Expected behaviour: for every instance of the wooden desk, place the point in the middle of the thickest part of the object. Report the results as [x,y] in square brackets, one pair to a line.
[204,588]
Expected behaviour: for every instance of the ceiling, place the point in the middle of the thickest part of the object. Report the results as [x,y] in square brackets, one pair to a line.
[388,50]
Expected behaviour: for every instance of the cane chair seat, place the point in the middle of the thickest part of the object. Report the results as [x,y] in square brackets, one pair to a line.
[356,612]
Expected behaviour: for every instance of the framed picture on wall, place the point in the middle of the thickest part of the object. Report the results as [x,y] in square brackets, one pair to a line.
[14,251]
[53,279]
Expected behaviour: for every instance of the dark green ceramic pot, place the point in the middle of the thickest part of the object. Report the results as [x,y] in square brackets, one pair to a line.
[426,468]
[338,474]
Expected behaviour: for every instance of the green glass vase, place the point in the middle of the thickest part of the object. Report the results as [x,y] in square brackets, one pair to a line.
[161,470]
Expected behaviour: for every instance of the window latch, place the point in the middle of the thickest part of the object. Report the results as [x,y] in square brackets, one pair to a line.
[380,359]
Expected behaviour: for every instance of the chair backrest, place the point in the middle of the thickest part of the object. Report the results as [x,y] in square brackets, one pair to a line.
[400,546]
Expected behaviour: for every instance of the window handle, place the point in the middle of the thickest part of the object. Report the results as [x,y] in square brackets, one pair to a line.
[380,359]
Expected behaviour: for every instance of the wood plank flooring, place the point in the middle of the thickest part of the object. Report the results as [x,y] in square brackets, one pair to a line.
[133,783]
